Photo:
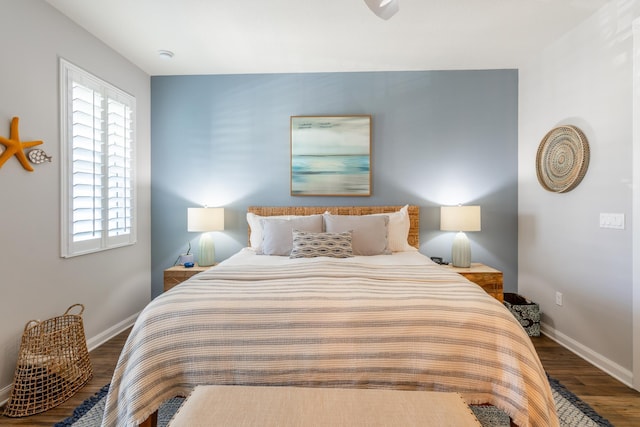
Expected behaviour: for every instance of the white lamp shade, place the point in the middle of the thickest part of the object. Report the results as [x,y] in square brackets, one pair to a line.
[205,219]
[460,218]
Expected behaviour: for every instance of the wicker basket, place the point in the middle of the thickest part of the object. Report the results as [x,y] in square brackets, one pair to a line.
[53,364]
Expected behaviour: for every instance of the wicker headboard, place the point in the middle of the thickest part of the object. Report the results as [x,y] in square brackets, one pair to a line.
[414,214]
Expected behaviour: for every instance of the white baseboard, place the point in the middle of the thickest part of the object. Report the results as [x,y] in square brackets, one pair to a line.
[5,392]
[103,337]
[616,371]
[92,343]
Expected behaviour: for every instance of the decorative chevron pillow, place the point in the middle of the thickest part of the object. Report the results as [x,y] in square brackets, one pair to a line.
[309,245]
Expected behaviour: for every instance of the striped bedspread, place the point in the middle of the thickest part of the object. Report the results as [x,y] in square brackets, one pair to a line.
[330,324]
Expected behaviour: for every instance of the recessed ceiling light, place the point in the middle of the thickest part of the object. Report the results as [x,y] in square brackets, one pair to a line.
[165,54]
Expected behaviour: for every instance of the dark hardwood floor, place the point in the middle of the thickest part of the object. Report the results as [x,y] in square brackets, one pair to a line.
[103,359]
[609,397]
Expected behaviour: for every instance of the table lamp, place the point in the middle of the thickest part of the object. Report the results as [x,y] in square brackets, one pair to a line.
[205,220]
[460,219]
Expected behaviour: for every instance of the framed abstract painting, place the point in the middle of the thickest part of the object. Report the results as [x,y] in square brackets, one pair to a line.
[331,155]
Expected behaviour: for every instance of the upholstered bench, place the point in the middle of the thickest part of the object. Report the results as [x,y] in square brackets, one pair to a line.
[295,406]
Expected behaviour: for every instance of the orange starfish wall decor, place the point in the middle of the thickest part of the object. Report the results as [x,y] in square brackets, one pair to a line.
[15,147]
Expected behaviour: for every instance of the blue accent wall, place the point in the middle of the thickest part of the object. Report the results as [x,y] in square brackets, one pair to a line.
[439,138]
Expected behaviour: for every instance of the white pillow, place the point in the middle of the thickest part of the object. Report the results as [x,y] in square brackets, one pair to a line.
[398,232]
[277,233]
[255,237]
[399,224]
[368,232]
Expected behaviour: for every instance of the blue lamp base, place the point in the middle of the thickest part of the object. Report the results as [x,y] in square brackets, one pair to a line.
[461,251]
[207,250]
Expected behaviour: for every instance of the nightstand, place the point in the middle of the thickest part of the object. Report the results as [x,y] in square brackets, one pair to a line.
[178,273]
[484,276]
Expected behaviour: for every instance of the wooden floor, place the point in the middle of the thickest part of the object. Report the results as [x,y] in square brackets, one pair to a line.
[610,398]
[104,360]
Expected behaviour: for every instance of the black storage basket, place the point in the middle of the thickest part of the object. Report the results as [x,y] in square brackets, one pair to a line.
[527,312]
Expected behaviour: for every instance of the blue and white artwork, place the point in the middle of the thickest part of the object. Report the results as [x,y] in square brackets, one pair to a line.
[331,156]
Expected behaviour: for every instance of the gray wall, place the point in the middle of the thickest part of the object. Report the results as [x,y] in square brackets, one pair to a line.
[583,79]
[439,138]
[36,282]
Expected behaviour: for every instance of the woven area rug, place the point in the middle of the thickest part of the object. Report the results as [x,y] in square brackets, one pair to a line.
[572,411]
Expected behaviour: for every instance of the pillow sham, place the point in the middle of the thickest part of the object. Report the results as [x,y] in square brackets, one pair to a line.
[255,236]
[277,237]
[311,245]
[399,225]
[368,232]
[255,225]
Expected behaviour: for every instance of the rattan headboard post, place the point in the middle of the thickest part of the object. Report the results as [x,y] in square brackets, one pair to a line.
[414,214]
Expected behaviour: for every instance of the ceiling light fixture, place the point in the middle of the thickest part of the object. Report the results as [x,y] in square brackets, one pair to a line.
[384,9]
[165,54]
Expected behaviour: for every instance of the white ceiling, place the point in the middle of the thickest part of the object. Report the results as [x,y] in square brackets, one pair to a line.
[276,36]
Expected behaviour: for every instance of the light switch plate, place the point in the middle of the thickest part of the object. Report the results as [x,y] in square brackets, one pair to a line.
[612,220]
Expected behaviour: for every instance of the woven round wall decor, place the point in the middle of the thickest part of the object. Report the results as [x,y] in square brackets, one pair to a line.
[562,159]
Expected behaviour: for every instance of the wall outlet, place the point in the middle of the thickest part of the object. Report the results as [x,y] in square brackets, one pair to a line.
[559,298]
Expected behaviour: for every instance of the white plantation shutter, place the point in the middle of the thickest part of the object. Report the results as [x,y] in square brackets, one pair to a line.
[86,163]
[119,142]
[98,140]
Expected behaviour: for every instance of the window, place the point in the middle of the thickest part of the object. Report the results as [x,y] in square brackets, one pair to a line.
[98,147]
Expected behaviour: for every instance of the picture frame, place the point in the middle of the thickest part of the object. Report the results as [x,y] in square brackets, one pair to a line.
[331,155]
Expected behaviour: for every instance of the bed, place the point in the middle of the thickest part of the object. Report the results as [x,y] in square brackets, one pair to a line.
[341,307]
